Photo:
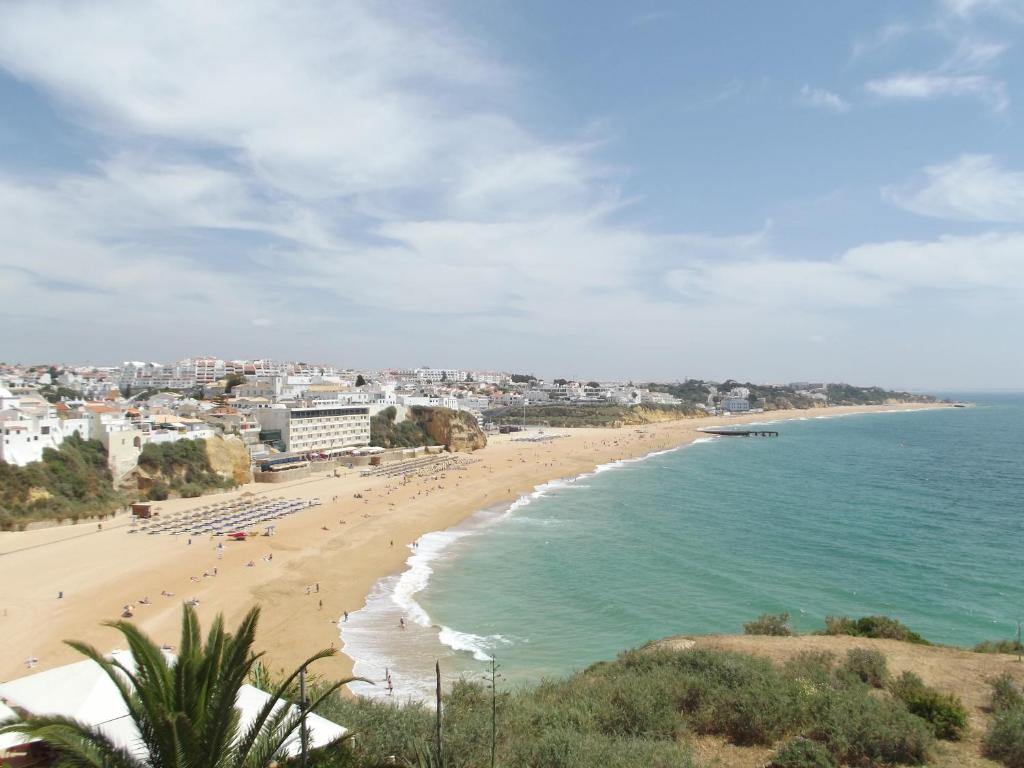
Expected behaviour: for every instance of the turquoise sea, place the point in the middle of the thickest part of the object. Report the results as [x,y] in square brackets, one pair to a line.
[917,515]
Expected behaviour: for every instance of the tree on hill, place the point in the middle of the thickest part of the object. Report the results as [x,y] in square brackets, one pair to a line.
[523,378]
[60,393]
[360,381]
[232,381]
[184,708]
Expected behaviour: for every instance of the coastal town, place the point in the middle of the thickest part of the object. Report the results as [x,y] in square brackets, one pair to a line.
[305,411]
[511,384]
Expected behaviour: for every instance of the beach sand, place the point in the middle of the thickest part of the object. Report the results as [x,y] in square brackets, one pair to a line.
[99,571]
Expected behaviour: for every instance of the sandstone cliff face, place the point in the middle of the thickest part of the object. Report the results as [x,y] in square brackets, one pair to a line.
[456,429]
[229,458]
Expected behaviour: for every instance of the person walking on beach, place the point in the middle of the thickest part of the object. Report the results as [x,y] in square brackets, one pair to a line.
[320,605]
[346,616]
[318,587]
[401,623]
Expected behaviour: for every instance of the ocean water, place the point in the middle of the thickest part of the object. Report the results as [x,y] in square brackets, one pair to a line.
[917,515]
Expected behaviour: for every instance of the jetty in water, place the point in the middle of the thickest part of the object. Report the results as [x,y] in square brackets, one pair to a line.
[741,432]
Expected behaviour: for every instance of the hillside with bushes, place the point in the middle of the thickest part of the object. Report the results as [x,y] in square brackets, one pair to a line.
[386,432]
[181,468]
[817,701]
[777,397]
[426,426]
[566,415]
[71,482]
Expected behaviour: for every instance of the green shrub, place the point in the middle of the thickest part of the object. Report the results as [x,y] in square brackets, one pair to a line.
[942,711]
[769,624]
[1004,740]
[637,710]
[867,665]
[74,477]
[640,706]
[802,753]
[382,728]
[1006,694]
[158,492]
[812,668]
[999,646]
[860,729]
[882,627]
[560,748]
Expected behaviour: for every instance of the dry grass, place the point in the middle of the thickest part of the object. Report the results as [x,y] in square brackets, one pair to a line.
[951,670]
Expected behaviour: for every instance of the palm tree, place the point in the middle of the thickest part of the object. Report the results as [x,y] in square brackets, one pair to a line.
[184,708]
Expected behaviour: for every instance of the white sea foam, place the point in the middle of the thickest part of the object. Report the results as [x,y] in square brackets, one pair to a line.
[416,576]
[369,637]
[481,646]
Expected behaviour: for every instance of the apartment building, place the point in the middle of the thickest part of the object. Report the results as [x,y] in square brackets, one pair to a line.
[440,374]
[316,427]
[29,425]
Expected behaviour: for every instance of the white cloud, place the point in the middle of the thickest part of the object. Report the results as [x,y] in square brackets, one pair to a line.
[957,264]
[881,39]
[969,188]
[1011,9]
[870,275]
[373,186]
[824,99]
[972,54]
[967,69]
[923,86]
[321,99]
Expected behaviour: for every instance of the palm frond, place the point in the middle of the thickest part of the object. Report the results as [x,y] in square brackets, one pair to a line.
[75,744]
[248,739]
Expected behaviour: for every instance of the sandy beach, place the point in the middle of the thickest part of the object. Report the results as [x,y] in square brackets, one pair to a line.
[325,559]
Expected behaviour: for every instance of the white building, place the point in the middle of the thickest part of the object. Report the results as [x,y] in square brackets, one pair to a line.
[382,392]
[122,439]
[658,398]
[440,374]
[316,427]
[171,429]
[733,404]
[27,428]
[490,377]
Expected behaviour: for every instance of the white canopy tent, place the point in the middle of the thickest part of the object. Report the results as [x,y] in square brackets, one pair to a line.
[10,740]
[84,692]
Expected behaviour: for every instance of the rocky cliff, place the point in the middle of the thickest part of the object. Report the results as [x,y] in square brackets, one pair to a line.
[229,458]
[456,429]
[190,468]
[593,415]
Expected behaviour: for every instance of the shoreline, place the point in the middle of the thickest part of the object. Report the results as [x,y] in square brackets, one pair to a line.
[100,571]
[392,596]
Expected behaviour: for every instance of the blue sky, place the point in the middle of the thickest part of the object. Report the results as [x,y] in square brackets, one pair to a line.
[772,191]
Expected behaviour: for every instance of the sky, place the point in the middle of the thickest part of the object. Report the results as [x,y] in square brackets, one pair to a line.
[649,190]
